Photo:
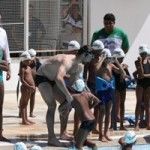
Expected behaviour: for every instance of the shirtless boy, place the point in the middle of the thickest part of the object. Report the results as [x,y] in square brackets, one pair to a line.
[27,87]
[82,104]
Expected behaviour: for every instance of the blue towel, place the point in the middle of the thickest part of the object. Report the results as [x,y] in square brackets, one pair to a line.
[104,85]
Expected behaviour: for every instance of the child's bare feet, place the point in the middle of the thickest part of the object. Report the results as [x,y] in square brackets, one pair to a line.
[95,131]
[123,128]
[102,139]
[31,122]
[26,123]
[31,115]
[108,138]
[136,128]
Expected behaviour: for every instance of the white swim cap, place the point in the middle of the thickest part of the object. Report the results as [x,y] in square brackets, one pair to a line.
[79,85]
[73,45]
[129,137]
[97,45]
[143,48]
[107,52]
[32,52]
[25,56]
[118,53]
[36,147]
[20,146]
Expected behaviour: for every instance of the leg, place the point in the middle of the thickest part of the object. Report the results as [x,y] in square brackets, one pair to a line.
[147,106]
[48,96]
[139,97]
[25,95]
[63,127]
[96,115]
[32,103]
[76,123]
[1,113]
[117,105]
[108,108]
[81,136]
[101,118]
[122,108]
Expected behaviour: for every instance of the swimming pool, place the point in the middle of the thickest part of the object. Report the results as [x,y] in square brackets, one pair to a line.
[135,147]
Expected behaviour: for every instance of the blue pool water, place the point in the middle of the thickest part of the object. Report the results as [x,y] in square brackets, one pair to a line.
[135,147]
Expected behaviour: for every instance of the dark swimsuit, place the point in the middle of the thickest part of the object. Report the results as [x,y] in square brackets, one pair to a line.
[145,82]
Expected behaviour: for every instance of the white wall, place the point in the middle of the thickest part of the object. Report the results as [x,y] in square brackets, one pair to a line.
[131,16]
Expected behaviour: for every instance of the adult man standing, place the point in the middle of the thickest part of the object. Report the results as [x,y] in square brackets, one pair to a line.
[50,81]
[4,66]
[111,36]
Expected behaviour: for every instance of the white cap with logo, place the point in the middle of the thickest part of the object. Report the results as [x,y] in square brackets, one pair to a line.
[25,56]
[107,52]
[98,45]
[73,45]
[143,49]
[118,53]
[32,52]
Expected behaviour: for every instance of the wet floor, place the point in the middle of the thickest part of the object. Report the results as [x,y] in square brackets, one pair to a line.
[37,134]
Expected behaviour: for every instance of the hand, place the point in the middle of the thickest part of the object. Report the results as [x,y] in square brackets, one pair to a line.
[64,108]
[8,75]
[69,98]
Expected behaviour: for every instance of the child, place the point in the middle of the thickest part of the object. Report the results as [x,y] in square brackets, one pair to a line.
[90,74]
[35,64]
[82,104]
[128,140]
[27,87]
[142,76]
[105,91]
[120,87]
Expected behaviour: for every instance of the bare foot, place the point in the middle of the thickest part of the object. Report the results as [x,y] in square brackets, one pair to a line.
[57,143]
[89,144]
[123,128]
[31,122]
[136,128]
[102,139]
[31,115]
[26,123]
[108,138]
[95,131]
[4,139]
[66,137]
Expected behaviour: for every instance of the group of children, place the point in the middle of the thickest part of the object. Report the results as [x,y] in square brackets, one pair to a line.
[106,77]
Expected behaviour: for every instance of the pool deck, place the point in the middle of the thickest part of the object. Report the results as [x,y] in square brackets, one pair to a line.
[37,133]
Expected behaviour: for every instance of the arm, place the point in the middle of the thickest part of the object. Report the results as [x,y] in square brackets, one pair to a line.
[4,65]
[22,78]
[61,84]
[93,100]
[99,64]
[118,68]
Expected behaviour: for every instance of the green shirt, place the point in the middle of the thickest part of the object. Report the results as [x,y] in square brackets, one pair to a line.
[112,40]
